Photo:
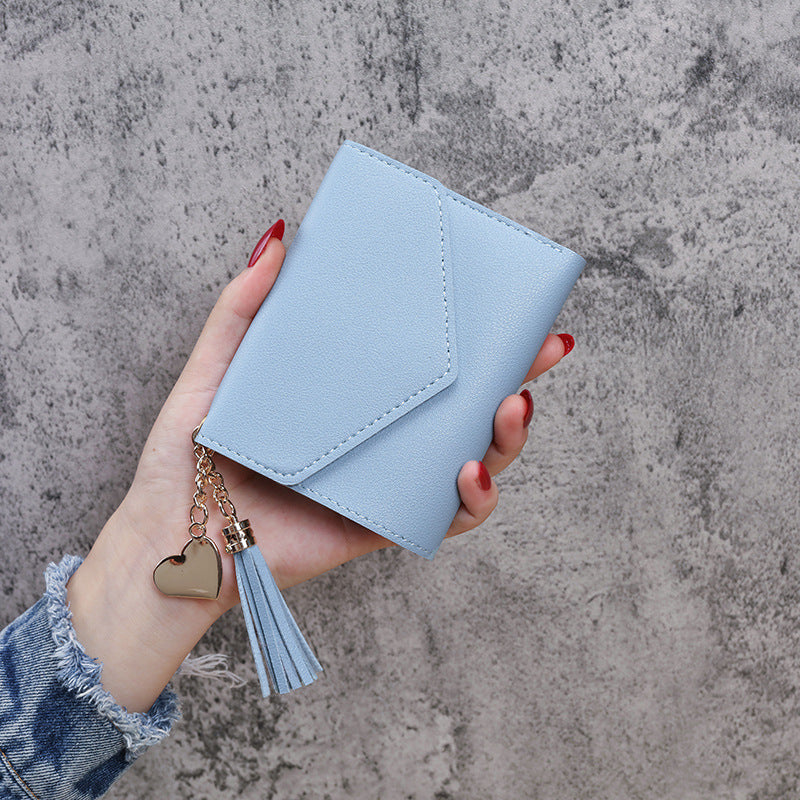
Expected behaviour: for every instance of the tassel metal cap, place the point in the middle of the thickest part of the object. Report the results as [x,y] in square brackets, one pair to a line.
[238,536]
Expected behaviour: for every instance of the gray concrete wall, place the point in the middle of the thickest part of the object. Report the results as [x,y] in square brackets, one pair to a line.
[626,625]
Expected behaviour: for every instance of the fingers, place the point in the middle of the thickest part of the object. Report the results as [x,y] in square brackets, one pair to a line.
[232,315]
[478,497]
[510,431]
[478,492]
[554,348]
[514,414]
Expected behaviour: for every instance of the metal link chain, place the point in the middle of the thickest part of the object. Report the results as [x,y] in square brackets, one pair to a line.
[207,475]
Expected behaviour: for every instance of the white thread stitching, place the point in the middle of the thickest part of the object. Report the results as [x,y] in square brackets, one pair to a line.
[524,231]
[486,212]
[490,216]
[377,419]
[372,521]
[223,449]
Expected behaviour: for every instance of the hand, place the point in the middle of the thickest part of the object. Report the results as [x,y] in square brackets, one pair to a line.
[298,537]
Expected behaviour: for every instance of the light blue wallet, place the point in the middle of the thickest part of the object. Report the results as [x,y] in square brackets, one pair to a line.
[403,314]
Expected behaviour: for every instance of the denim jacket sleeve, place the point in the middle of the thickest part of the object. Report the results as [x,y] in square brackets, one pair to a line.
[62,736]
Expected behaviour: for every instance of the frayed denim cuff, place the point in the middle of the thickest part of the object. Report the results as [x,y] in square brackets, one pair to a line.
[81,674]
[62,736]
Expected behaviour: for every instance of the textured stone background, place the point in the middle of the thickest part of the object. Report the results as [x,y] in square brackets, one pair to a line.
[627,624]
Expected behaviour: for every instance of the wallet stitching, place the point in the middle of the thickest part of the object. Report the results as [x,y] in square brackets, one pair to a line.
[223,449]
[371,521]
[486,212]
[411,396]
[524,232]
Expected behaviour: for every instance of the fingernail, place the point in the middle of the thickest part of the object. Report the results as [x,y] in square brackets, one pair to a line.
[276,232]
[484,479]
[526,420]
[569,342]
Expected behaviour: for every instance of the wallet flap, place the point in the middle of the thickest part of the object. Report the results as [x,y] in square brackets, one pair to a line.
[375,338]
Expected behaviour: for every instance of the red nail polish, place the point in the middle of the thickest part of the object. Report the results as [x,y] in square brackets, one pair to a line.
[484,479]
[276,232]
[526,420]
[569,342]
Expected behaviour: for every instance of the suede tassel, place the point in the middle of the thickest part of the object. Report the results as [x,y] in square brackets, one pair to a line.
[283,657]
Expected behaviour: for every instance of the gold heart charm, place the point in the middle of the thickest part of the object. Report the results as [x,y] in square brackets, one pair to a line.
[196,572]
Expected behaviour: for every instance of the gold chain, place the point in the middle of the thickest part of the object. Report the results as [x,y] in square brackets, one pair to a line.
[207,475]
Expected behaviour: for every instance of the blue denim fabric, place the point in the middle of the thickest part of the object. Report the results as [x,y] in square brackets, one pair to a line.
[62,736]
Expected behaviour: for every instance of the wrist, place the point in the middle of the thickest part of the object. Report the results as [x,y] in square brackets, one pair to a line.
[121,619]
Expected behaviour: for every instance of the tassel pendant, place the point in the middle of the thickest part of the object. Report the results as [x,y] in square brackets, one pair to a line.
[283,657]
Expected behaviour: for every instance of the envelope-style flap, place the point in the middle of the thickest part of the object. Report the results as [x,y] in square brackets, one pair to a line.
[358,330]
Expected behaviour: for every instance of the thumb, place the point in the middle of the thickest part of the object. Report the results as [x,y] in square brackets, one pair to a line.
[231,317]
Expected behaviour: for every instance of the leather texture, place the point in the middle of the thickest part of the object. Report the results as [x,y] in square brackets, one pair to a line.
[403,314]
